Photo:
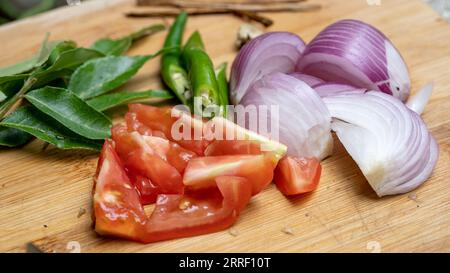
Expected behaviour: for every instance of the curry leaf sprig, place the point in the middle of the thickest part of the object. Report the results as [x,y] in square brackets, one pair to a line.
[59,94]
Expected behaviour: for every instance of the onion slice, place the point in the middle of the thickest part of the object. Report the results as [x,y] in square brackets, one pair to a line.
[418,102]
[389,142]
[334,89]
[355,53]
[303,119]
[267,53]
[308,79]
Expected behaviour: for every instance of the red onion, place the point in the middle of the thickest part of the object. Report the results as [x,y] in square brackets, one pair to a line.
[389,142]
[268,53]
[355,53]
[304,121]
[308,79]
[333,89]
[418,102]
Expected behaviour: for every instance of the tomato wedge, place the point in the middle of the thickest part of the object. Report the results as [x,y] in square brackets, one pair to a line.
[148,191]
[142,158]
[133,124]
[202,171]
[160,119]
[233,147]
[198,212]
[117,210]
[297,175]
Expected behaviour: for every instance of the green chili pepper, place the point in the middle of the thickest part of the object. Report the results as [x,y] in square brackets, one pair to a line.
[201,73]
[221,75]
[172,72]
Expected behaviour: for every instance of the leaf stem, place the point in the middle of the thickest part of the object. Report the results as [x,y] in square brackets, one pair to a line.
[5,109]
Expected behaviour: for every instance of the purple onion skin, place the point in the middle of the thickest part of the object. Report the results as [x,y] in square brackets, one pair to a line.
[355,53]
[269,53]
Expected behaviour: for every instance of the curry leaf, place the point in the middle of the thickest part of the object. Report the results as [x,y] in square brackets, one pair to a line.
[102,75]
[109,46]
[11,137]
[32,121]
[27,65]
[119,46]
[71,111]
[105,102]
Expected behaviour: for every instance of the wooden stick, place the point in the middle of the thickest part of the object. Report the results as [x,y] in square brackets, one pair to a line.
[265,21]
[255,7]
[169,2]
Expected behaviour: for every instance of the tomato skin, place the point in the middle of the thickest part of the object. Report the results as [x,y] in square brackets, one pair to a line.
[160,119]
[117,210]
[257,169]
[144,160]
[177,216]
[297,175]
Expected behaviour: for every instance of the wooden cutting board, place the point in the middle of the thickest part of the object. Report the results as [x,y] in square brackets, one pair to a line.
[43,194]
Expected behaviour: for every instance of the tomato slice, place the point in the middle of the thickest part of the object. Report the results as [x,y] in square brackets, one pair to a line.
[233,147]
[119,213]
[146,158]
[133,124]
[160,119]
[117,210]
[148,191]
[297,175]
[202,171]
[198,212]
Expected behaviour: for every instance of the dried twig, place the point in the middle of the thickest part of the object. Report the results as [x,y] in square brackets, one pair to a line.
[250,6]
[165,2]
[267,22]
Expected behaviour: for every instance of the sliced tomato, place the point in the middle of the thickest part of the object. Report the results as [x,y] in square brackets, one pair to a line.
[202,171]
[161,119]
[220,128]
[117,209]
[198,212]
[133,124]
[143,159]
[297,175]
[233,147]
[148,191]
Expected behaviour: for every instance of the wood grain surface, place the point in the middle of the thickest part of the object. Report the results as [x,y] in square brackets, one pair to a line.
[43,194]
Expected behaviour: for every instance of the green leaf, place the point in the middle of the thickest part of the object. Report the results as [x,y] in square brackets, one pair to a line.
[117,47]
[6,79]
[27,65]
[109,46]
[43,5]
[102,75]
[71,59]
[71,111]
[8,89]
[34,122]
[59,49]
[105,102]
[11,137]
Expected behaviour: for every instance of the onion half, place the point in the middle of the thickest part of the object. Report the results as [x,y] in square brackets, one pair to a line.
[267,53]
[355,53]
[389,142]
[304,121]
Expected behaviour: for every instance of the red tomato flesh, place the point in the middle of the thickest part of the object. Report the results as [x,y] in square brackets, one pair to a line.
[202,171]
[161,119]
[118,212]
[297,175]
[142,158]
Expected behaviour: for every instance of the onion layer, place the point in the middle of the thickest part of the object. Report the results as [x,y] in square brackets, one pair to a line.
[303,119]
[355,53]
[332,89]
[268,53]
[389,142]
